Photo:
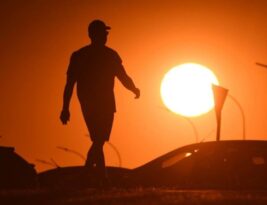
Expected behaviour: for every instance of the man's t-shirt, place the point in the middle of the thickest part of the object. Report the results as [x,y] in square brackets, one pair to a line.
[94,70]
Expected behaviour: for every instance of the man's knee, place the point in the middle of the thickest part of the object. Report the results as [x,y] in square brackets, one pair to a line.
[98,143]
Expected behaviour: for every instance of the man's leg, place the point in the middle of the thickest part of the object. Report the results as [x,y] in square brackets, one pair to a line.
[90,160]
[95,154]
[99,158]
[99,126]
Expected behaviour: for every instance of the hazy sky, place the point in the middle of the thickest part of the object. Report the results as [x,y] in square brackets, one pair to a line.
[37,38]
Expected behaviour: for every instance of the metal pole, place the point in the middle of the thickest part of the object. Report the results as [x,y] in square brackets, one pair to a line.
[194,128]
[189,121]
[242,114]
[218,134]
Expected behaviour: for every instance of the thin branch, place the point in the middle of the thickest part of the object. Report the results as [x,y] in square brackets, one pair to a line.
[71,151]
[45,162]
[54,162]
[261,64]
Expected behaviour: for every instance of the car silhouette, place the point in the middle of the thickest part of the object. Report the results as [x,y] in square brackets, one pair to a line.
[15,171]
[231,164]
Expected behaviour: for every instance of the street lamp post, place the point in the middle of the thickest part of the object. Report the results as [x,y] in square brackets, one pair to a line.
[242,114]
[219,94]
[191,124]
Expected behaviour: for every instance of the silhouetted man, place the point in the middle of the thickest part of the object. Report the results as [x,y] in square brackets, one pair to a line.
[94,68]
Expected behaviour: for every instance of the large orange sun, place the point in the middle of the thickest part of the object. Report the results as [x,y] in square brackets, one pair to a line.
[187,89]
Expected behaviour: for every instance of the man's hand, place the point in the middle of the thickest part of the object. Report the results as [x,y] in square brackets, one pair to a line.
[137,93]
[65,116]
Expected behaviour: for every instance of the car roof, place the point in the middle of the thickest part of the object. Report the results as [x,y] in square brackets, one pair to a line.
[210,144]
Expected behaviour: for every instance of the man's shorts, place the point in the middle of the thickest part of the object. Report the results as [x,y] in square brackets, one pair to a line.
[99,124]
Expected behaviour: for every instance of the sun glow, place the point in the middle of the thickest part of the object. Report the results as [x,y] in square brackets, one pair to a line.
[187,89]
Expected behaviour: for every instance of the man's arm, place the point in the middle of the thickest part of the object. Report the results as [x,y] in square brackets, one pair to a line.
[65,114]
[127,82]
[71,79]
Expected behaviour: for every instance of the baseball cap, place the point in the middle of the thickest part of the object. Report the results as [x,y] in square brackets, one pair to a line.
[97,25]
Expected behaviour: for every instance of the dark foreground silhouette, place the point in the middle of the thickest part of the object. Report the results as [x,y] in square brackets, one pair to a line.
[221,173]
[233,164]
[16,172]
[227,165]
[93,68]
[139,196]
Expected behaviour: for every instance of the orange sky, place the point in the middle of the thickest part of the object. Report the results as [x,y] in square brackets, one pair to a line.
[38,37]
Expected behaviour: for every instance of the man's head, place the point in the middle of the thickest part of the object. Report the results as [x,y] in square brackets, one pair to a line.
[98,32]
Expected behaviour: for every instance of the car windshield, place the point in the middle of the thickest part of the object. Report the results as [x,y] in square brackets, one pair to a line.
[218,156]
[170,161]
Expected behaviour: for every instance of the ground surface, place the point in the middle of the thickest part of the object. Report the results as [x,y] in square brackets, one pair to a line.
[140,196]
